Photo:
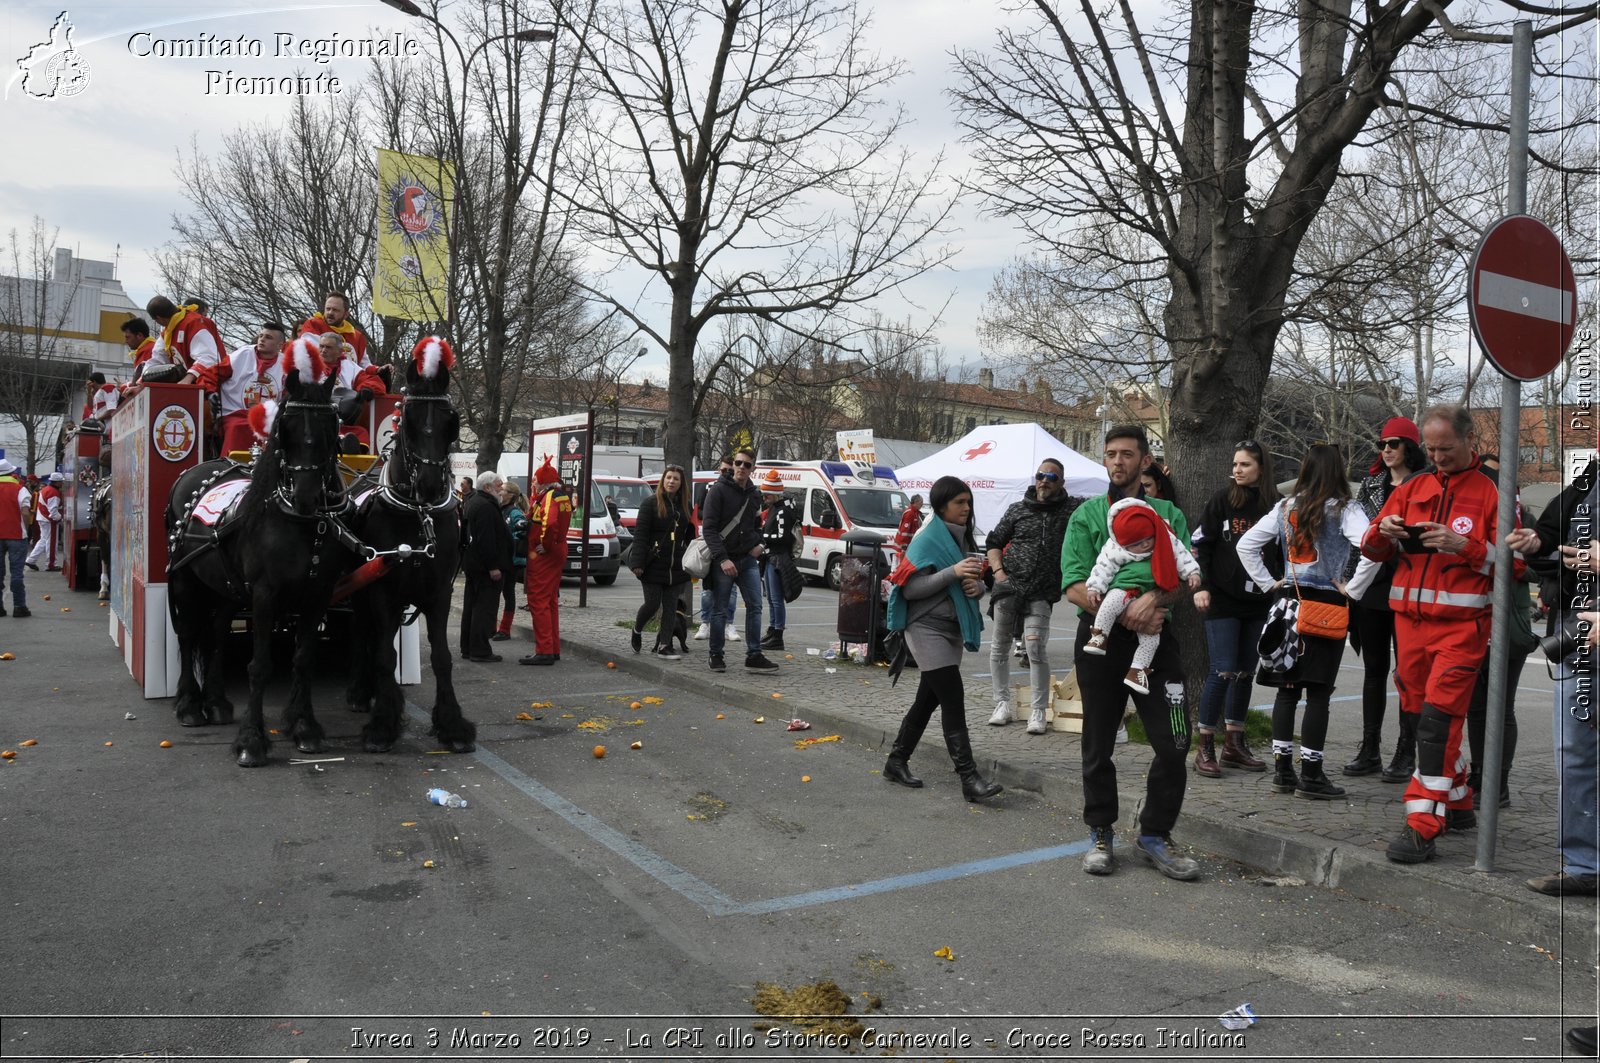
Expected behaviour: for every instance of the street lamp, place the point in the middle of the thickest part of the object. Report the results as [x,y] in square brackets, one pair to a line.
[458,127]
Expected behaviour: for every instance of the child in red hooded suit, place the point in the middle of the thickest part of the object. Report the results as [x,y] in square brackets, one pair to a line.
[1141,555]
[547,543]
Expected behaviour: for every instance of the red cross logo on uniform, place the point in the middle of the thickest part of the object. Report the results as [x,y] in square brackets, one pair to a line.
[978,451]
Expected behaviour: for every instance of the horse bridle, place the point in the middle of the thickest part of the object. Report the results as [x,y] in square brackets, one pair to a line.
[333,501]
[423,511]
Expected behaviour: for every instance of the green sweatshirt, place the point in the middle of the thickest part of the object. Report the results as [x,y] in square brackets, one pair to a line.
[1087,532]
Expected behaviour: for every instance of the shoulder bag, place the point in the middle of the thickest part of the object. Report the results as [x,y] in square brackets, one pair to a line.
[1321,620]
[697,558]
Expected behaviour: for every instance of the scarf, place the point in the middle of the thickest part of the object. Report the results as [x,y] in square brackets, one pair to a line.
[172,324]
[931,550]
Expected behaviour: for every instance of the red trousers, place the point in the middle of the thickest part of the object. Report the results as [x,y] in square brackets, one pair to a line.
[544,587]
[1436,666]
[236,433]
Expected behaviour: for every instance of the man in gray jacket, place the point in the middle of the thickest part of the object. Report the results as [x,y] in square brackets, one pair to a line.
[730,523]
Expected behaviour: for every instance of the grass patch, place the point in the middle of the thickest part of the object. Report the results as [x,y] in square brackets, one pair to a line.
[627,625]
[1257,729]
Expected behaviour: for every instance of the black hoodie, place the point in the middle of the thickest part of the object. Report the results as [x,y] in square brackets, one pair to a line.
[1216,543]
[1029,538]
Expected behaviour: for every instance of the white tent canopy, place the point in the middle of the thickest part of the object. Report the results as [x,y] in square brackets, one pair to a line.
[998,462]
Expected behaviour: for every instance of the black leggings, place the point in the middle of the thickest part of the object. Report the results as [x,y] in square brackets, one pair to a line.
[1314,726]
[1376,628]
[941,688]
[662,598]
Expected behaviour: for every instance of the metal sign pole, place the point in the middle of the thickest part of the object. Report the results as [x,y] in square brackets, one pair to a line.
[1510,459]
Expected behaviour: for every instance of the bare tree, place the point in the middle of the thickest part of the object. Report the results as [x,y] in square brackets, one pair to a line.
[41,370]
[1077,138]
[279,215]
[746,165]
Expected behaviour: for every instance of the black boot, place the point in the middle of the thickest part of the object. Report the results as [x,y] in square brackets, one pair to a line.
[905,743]
[974,787]
[1314,784]
[1368,760]
[773,639]
[1405,751]
[1284,780]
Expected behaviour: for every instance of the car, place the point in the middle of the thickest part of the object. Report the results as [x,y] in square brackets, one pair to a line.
[628,493]
[605,552]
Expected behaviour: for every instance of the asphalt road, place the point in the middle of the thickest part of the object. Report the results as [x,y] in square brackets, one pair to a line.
[168,903]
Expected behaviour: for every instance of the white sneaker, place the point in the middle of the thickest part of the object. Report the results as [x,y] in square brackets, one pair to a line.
[1122,735]
[733,636]
[1036,723]
[1002,713]
[703,634]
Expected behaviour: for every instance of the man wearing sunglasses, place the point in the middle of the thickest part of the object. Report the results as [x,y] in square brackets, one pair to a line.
[1024,552]
[730,523]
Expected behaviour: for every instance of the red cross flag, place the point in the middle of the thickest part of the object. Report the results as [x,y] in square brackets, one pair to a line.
[1522,297]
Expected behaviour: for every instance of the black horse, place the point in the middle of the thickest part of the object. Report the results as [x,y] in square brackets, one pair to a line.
[279,552]
[413,522]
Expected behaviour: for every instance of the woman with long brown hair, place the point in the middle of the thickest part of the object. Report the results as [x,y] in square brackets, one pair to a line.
[1234,607]
[1318,528]
[660,536]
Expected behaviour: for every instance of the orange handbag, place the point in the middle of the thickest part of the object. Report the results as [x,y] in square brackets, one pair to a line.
[1323,620]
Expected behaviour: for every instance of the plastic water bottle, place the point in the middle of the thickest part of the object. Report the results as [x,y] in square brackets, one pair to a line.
[446,798]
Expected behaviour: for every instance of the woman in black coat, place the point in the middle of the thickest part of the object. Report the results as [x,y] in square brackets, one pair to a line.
[660,536]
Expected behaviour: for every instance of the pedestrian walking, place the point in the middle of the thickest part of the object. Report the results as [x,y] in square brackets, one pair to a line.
[547,537]
[660,536]
[1024,553]
[1563,553]
[1440,528]
[1234,607]
[486,562]
[933,599]
[910,524]
[1317,528]
[1399,458]
[730,523]
[514,510]
[47,516]
[1100,678]
[724,468]
[779,540]
[15,505]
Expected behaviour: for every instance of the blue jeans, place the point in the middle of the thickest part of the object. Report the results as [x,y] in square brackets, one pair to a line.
[1578,767]
[1231,641]
[705,603]
[774,584]
[17,551]
[747,578]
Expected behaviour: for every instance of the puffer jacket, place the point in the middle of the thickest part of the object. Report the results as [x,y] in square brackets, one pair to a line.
[1029,538]
[1438,586]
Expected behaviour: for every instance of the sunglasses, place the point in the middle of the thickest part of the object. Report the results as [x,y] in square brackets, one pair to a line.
[1248,444]
[1048,477]
[744,465]
[1391,444]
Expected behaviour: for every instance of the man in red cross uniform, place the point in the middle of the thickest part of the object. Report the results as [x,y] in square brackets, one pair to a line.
[1440,528]
[547,540]
[253,374]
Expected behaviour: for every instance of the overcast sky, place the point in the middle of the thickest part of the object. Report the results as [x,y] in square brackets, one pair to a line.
[99,164]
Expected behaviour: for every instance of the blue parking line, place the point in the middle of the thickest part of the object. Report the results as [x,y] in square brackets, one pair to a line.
[706,896]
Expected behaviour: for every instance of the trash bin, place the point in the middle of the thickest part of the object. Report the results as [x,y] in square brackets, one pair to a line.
[861,570]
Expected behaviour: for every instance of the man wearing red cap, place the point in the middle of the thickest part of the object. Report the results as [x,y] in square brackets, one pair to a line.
[1137,534]
[547,538]
[1441,595]
[1101,677]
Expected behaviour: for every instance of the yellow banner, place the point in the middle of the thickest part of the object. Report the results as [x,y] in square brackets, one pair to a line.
[413,278]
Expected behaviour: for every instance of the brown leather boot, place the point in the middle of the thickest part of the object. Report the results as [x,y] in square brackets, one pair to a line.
[1236,754]
[1205,757]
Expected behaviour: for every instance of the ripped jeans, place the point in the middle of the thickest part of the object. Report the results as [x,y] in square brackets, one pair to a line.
[1035,638]
[1230,676]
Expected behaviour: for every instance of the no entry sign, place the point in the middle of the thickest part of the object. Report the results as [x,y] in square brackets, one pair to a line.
[1522,297]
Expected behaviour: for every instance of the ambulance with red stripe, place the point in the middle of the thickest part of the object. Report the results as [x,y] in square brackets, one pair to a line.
[836,497]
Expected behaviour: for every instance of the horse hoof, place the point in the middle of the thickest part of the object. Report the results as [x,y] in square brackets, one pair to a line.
[251,759]
[309,745]
[219,714]
[463,745]
[377,745]
[192,719]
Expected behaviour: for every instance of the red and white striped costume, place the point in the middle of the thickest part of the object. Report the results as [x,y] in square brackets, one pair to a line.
[191,340]
[49,518]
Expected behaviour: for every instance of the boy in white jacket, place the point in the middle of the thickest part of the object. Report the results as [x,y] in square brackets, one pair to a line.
[1137,534]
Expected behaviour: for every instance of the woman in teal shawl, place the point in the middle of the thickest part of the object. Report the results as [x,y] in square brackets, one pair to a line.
[933,598]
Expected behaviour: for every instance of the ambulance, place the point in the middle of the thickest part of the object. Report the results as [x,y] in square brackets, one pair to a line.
[836,497]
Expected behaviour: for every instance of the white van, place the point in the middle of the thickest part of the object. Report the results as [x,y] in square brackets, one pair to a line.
[836,497]
[605,551]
